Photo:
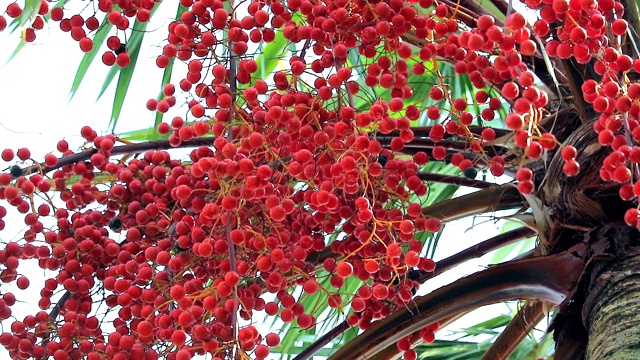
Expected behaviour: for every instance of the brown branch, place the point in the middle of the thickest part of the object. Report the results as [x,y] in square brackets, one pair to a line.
[551,278]
[427,145]
[455,180]
[576,74]
[119,150]
[477,251]
[317,345]
[425,142]
[202,141]
[474,129]
[498,198]
[53,314]
[503,6]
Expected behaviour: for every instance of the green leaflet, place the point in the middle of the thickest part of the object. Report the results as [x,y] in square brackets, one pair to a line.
[88,58]
[529,349]
[492,9]
[268,60]
[29,13]
[17,49]
[124,79]
[166,77]
[539,349]
[148,134]
[293,336]
[112,73]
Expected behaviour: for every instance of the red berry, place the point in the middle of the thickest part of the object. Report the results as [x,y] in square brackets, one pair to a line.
[277,213]
[534,150]
[578,34]
[524,174]
[14,10]
[24,154]
[631,217]
[109,58]
[619,27]
[622,174]
[510,90]
[410,354]
[406,227]
[514,121]
[177,292]
[433,224]
[7,154]
[272,339]
[412,258]
[548,141]
[394,250]
[526,186]
[571,168]
[380,291]
[485,22]
[344,269]
[22,283]
[178,337]
[123,60]
[569,153]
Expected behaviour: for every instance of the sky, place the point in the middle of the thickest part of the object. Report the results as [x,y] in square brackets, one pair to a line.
[36,112]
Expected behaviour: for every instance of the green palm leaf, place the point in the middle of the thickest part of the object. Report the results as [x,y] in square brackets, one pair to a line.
[464,345]
[124,78]
[29,13]
[88,58]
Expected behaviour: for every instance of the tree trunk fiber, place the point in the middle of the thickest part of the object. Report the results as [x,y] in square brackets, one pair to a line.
[613,322]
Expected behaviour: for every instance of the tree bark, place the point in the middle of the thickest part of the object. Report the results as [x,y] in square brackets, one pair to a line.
[613,320]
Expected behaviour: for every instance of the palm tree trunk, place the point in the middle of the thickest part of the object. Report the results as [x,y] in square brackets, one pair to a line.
[613,322]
